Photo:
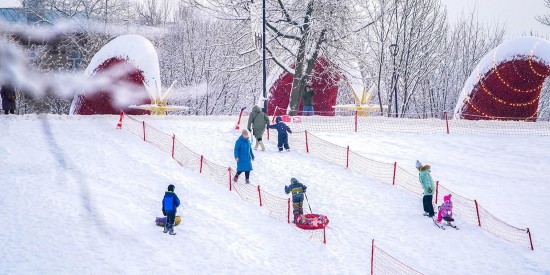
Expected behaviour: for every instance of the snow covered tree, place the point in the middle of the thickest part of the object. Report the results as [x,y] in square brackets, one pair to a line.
[299,31]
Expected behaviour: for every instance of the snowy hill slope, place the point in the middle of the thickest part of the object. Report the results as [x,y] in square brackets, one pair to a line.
[361,208]
[79,197]
[508,175]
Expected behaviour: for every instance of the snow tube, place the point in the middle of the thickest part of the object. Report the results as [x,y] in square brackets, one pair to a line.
[312,221]
[160,221]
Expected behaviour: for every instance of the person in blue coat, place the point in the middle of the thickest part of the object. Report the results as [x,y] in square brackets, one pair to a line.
[170,203]
[282,131]
[298,189]
[244,156]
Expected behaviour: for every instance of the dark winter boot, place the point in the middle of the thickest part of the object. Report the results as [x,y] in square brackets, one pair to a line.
[165,227]
[247,181]
[235,178]
[171,230]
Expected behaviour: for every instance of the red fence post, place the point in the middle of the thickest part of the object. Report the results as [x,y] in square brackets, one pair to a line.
[229,169]
[288,212]
[143,123]
[347,157]
[307,142]
[394,170]
[324,235]
[530,239]
[202,159]
[173,145]
[477,210]
[447,122]
[356,121]
[267,133]
[436,191]
[274,114]
[119,124]
[372,258]
[260,195]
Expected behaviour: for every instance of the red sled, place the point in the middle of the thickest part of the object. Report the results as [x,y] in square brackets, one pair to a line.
[312,221]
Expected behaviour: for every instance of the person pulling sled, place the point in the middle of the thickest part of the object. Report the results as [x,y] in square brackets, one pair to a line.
[298,189]
[170,203]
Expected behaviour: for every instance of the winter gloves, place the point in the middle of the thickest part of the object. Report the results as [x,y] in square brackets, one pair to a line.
[429,189]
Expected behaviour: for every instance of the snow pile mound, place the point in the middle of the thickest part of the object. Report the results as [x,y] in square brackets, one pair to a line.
[507,82]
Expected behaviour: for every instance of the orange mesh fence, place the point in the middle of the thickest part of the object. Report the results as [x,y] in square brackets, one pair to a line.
[185,157]
[158,139]
[391,173]
[277,207]
[426,123]
[384,263]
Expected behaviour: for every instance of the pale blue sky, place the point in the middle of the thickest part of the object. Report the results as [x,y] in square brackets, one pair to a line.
[517,14]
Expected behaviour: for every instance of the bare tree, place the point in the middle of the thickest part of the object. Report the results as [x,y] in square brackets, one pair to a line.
[299,31]
[544,19]
[154,12]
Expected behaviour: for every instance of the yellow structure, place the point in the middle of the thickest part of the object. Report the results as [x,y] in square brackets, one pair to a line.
[362,105]
[159,102]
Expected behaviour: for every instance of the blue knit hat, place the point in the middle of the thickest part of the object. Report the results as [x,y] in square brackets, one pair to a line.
[418,165]
[171,188]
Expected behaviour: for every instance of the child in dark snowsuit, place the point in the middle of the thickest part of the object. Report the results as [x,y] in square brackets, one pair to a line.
[170,204]
[298,190]
[282,129]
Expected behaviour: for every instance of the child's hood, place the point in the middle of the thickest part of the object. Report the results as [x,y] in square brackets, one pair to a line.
[425,168]
[447,198]
[278,119]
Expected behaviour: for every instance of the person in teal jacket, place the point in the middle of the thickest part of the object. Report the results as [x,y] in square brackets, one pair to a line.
[428,185]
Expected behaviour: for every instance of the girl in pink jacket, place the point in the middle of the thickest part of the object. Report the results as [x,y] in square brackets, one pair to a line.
[446,210]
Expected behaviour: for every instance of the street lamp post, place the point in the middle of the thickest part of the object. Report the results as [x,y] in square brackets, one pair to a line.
[264,74]
[394,49]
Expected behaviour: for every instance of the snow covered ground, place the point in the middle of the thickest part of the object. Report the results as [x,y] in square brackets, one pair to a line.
[78,196]
[361,208]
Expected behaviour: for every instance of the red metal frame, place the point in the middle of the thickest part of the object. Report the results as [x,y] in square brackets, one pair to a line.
[394,170]
[447,122]
[530,239]
[307,142]
[260,195]
[477,210]
[202,159]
